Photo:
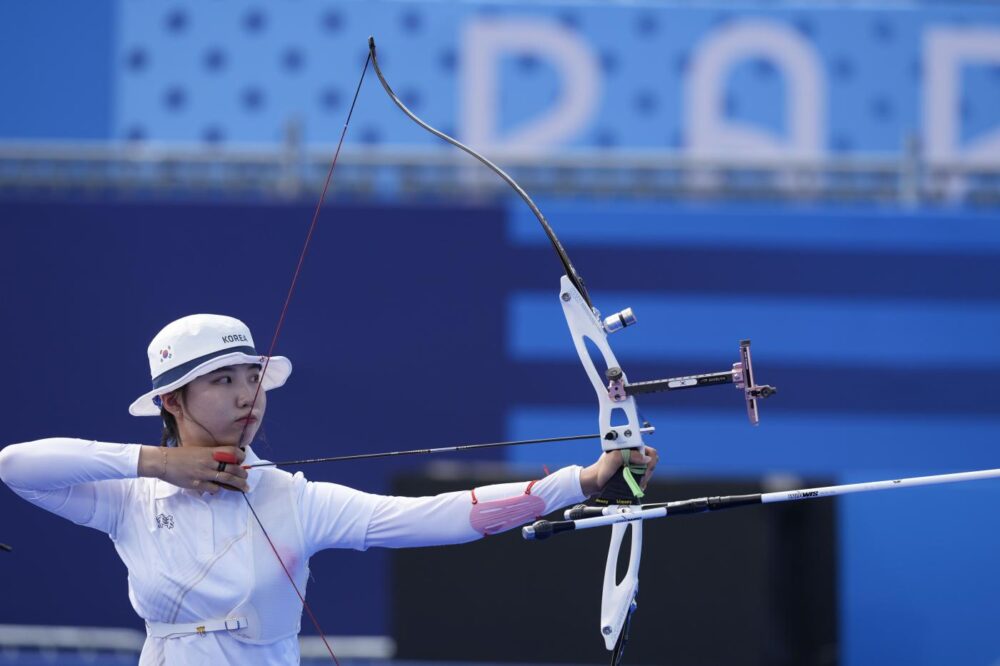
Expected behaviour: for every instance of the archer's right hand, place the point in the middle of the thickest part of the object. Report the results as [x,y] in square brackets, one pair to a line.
[194,468]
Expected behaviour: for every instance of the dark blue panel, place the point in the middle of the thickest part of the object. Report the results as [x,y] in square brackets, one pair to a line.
[398,335]
[393,348]
[879,328]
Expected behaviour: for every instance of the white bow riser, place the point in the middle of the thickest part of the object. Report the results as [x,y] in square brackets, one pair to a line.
[584,324]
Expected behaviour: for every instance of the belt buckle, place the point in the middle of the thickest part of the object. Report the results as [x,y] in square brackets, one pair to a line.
[236,621]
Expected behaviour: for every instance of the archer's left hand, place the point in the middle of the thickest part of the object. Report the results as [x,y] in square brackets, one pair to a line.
[595,477]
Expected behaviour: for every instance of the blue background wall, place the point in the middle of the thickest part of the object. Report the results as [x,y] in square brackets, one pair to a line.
[93,283]
[435,323]
[881,351]
[878,326]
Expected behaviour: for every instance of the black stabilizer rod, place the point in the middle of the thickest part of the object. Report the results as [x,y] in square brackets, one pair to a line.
[543,529]
[698,505]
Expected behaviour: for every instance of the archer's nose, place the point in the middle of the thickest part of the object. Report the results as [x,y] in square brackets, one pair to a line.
[244,397]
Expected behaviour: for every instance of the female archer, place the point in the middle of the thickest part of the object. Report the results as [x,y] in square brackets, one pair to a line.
[211,584]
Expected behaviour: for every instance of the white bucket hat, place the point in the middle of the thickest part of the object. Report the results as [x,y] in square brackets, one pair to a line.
[196,345]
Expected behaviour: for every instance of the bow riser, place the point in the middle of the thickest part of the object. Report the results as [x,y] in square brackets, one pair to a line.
[617,598]
[585,324]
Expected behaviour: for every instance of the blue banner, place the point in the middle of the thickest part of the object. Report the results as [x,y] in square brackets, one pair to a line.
[783,82]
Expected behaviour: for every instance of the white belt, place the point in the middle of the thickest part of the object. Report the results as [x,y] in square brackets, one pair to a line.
[168,630]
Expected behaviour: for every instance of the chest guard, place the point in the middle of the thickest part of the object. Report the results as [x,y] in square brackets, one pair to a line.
[272,609]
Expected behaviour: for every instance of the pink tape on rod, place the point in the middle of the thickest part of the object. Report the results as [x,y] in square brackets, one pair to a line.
[504,514]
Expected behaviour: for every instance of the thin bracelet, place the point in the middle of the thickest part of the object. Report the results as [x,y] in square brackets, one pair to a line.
[164,463]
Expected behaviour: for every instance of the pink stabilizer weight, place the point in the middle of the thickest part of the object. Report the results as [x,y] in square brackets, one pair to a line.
[499,515]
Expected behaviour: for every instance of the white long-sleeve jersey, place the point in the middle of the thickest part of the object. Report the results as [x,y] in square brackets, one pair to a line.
[194,557]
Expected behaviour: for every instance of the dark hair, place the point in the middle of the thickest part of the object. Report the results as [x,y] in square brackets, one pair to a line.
[171,436]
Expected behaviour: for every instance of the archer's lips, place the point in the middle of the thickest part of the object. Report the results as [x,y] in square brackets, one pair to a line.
[247,419]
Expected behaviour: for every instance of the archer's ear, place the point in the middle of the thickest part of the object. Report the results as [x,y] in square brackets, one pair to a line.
[171,402]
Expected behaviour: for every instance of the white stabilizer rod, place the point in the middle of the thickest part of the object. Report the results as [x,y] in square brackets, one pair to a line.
[870,486]
[616,515]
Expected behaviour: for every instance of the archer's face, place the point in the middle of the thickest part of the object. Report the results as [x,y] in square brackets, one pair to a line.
[219,402]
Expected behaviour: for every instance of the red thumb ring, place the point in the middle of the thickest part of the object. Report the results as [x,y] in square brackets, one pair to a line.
[223,457]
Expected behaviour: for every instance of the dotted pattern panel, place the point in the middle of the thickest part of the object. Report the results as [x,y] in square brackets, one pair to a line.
[238,72]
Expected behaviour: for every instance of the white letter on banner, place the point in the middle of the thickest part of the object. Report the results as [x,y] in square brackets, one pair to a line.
[711,135]
[484,42]
[946,50]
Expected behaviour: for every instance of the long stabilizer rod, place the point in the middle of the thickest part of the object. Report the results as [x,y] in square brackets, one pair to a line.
[585,517]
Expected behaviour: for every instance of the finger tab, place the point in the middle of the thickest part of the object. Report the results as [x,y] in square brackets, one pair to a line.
[224,457]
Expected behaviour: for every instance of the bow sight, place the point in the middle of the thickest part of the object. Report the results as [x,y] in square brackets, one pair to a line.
[741,375]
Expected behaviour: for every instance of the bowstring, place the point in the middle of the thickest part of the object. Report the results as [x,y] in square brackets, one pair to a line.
[274,342]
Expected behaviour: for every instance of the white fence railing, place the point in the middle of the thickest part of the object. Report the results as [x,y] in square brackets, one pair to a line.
[50,640]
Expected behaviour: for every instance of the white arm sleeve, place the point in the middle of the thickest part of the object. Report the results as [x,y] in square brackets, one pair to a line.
[399,522]
[83,481]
